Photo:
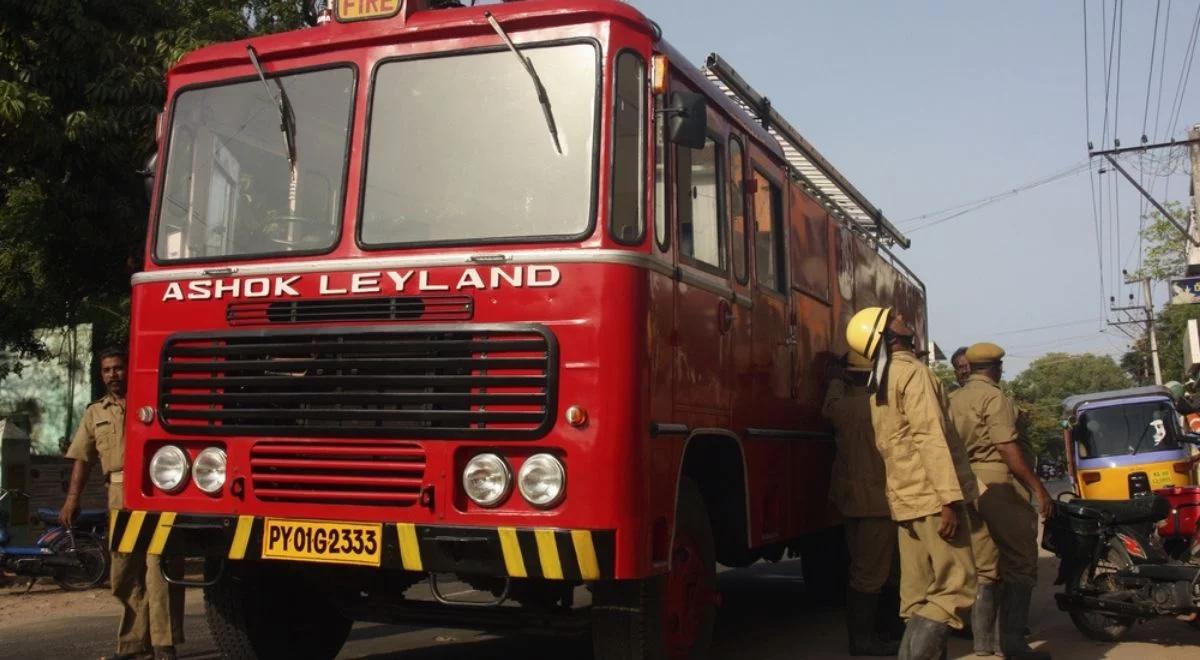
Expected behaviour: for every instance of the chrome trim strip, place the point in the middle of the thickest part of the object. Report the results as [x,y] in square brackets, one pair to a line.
[706,282]
[789,434]
[743,300]
[466,259]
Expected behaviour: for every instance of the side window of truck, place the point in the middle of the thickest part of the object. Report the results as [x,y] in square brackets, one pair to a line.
[660,179]
[768,234]
[629,148]
[700,190]
[737,209]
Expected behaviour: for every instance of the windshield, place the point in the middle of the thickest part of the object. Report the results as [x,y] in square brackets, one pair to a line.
[460,150]
[228,179]
[1117,430]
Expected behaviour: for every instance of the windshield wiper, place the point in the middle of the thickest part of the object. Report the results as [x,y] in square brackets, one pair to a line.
[1141,439]
[543,98]
[287,116]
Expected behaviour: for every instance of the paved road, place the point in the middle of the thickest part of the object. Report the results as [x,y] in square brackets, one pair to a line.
[765,614]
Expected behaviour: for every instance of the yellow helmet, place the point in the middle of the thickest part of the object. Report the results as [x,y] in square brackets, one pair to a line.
[856,362]
[865,330]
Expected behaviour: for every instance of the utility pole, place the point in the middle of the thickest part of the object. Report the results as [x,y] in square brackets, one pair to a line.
[1147,308]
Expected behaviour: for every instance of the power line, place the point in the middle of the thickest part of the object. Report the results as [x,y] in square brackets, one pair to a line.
[949,213]
[1117,93]
[1185,74]
[1162,67]
[1150,76]
[1109,43]
[1087,93]
[1047,327]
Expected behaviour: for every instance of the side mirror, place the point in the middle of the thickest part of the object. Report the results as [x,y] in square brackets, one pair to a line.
[687,123]
[1192,439]
[148,176]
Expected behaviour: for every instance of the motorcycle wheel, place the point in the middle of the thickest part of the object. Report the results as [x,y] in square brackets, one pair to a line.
[93,562]
[1096,625]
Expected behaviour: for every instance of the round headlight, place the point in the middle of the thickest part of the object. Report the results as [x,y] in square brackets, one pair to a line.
[169,468]
[487,480]
[208,472]
[542,480]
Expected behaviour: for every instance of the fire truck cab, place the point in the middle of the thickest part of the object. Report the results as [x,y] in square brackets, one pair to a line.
[507,294]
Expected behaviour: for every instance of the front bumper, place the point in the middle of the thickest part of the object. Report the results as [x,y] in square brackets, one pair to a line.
[552,554]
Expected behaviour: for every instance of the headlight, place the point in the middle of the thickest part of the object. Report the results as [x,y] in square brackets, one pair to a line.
[487,480]
[169,468]
[542,480]
[208,472]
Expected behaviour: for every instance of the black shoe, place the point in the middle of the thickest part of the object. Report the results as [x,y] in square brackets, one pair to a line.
[861,612]
[924,639]
[141,655]
[1014,616]
[164,653]
[983,620]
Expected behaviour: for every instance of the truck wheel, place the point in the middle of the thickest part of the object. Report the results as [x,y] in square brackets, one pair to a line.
[254,612]
[667,617]
[825,565]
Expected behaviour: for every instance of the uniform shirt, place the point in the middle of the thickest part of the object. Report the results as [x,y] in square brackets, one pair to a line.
[101,435]
[983,417]
[859,481]
[926,464]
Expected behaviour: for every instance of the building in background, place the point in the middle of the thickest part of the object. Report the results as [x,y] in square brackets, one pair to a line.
[47,397]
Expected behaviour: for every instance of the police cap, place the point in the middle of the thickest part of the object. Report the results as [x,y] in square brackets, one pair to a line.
[984,353]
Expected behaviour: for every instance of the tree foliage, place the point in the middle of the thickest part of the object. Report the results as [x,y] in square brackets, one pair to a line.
[81,82]
[1041,388]
[1165,254]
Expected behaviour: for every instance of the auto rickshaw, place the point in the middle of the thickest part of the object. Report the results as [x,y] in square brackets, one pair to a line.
[1124,443]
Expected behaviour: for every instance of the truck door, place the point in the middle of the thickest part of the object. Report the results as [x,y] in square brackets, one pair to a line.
[703,310]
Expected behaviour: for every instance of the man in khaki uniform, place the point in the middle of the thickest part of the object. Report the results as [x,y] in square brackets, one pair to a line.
[857,491]
[962,368]
[928,480]
[151,623]
[986,420]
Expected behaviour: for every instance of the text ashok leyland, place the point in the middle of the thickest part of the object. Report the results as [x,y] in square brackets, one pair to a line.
[336,284]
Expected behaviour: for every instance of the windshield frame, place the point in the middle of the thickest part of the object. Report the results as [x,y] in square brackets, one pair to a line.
[597,147]
[1174,432]
[164,160]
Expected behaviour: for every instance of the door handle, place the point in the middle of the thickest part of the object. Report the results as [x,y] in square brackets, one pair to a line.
[724,315]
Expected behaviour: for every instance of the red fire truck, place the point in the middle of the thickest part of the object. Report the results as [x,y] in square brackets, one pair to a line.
[510,295]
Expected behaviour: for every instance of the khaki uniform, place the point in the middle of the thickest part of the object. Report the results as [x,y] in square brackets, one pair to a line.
[857,488]
[926,469]
[985,418]
[153,610]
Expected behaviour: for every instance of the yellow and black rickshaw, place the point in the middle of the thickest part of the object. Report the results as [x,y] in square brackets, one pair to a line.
[1123,443]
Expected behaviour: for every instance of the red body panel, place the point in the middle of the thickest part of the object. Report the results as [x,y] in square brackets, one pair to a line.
[643,337]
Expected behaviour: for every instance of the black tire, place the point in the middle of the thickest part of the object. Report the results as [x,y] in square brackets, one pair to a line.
[825,565]
[631,618]
[256,611]
[1095,625]
[93,560]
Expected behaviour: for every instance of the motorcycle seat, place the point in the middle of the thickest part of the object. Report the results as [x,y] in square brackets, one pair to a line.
[87,517]
[1151,508]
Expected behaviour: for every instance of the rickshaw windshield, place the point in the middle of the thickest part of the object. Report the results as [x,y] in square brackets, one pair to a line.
[1121,430]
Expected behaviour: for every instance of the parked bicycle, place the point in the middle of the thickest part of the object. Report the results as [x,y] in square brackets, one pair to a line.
[75,557]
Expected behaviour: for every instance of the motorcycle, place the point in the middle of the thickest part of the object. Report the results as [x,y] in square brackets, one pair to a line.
[75,557]
[1114,568]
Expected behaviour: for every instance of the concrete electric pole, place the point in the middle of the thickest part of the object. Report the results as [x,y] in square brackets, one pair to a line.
[1147,308]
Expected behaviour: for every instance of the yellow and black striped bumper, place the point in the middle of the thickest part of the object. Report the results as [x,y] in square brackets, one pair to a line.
[554,554]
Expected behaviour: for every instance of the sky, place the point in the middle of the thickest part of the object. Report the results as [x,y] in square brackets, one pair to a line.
[929,105]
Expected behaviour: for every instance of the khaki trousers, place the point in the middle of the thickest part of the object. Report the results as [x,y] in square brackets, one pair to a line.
[1012,523]
[152,609]
[872,544]
[987,556]
[937,577]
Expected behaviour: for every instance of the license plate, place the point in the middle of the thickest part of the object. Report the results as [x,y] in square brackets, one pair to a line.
[329,542]
[1160,479]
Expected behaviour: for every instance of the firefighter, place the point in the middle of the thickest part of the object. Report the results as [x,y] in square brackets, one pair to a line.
[152,618]
[928,480]
[857,491]
[985,418]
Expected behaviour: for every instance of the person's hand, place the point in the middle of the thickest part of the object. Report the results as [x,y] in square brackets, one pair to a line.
[69,512]
[949,525]
[1045,502]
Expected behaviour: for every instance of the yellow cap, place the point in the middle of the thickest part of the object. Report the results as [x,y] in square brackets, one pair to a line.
[984,353]
[865,330]
[856,362]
